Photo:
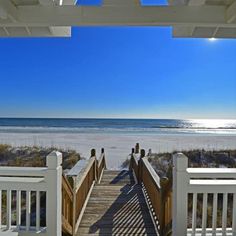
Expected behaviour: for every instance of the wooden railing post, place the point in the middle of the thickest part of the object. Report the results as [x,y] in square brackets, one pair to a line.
[180,194]
[140,166]
[93,154]
[163,183]
[131,160]
[132,151]
[137,148]
[103,153]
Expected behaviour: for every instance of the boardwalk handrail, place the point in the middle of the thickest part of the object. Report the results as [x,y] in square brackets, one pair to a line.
[158,190]
[82,178]
[31,184]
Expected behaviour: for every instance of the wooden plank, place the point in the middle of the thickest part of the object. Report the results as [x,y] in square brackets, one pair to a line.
[116,207]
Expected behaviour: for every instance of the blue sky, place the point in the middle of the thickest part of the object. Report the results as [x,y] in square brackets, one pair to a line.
[118,72]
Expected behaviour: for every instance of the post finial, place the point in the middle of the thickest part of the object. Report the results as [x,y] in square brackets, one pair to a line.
[93,152]
[137,148]
[54,159]
[142,153]
[164,181]
[180,162]
[102,150]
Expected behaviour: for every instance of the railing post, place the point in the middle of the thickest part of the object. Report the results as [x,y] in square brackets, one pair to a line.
[54,196]
[103,153]
[132,151]
[180,194]
[163,183]
[137,148]
[131,160]
[93,154]
[140,166]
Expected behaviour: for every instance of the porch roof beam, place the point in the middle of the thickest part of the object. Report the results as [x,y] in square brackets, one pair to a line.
[208,16]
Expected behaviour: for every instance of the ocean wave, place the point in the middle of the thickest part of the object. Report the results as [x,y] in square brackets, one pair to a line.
[129,130]
[190,127]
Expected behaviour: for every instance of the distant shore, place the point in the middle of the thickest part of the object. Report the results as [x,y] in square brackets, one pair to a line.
[118,146]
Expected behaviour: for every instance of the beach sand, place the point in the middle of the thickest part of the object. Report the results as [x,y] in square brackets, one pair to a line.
[118,146]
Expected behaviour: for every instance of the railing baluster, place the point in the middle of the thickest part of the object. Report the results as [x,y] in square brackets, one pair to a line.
[8,209]
[18,209]
[194,214]
[37,210]
[234,215]
[224,213]
[204,213]
[28,209]
[214,213]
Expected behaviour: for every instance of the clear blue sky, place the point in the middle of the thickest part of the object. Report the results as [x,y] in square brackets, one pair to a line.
[118,72]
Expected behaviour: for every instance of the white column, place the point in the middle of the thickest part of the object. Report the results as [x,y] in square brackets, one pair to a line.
[180,194]
[54,198]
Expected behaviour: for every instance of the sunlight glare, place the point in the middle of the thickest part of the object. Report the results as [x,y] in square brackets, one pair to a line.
[212,39]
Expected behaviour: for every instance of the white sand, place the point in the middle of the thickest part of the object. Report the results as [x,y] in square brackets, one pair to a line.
[118,146]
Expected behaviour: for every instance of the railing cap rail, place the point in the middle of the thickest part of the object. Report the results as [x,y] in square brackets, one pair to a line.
[82,175]
[152,172]
[77,168]
[101,158]
[22,171]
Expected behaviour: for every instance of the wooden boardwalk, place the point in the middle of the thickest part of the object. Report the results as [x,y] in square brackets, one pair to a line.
[117,207]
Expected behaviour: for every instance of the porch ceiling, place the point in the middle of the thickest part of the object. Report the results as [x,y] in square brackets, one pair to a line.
[33,31]
[197,31]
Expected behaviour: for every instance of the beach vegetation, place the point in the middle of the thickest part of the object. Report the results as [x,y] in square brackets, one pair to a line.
[35,156]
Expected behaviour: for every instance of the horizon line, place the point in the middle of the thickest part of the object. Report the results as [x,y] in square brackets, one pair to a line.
[118,118]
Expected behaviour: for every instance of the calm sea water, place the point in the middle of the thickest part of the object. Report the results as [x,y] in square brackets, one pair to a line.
[146,126]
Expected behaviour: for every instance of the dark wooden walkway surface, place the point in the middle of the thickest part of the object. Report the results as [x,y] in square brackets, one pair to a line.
[117,207]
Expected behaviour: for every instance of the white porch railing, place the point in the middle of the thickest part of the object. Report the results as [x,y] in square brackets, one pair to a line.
[22,187]
[213,195]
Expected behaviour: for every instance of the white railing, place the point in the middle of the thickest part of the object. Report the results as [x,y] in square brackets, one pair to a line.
[212,192]
[22,189]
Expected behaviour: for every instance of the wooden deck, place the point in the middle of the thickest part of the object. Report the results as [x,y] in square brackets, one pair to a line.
[117,207]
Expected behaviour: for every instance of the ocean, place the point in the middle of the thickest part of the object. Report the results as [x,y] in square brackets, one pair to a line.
[121,126]
[118,136]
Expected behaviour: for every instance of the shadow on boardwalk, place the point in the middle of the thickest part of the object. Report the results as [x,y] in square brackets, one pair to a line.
[126,210]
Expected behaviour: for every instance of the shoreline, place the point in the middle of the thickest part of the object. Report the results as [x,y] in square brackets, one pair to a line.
[118,146]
